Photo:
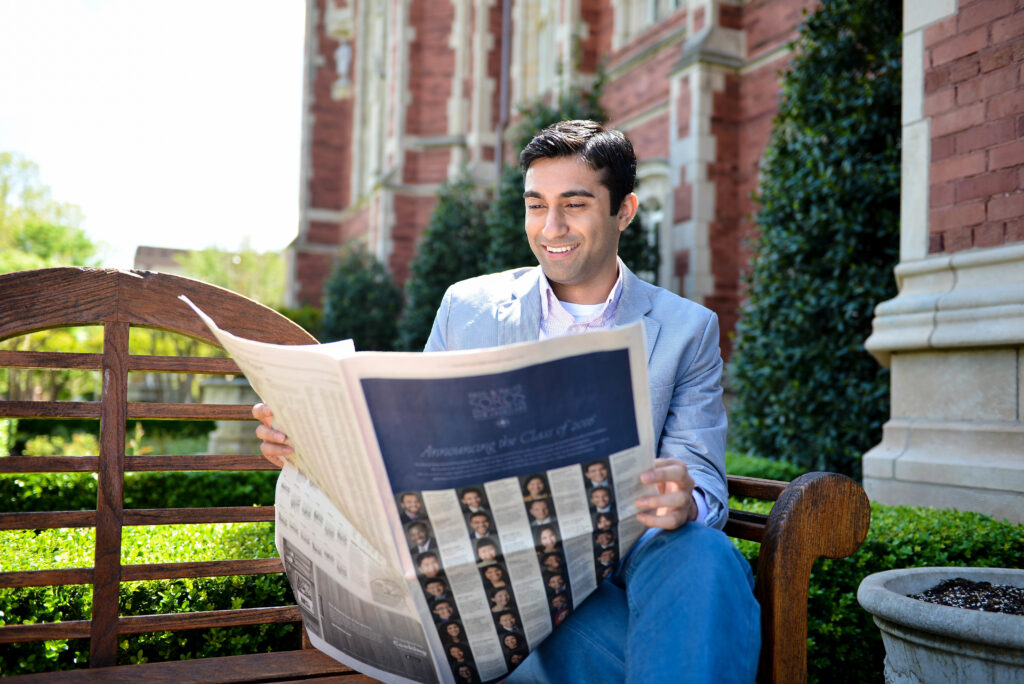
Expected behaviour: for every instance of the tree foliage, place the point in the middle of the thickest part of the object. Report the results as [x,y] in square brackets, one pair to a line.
[36,230]
[257,275]
[807,391]
[451,250]
[361,302]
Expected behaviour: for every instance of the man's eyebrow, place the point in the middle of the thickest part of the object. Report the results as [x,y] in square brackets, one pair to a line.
[579,192]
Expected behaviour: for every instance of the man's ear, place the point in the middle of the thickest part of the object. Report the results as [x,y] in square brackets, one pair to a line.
[627,210]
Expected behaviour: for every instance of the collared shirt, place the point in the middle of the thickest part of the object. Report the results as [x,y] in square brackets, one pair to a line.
[559,318]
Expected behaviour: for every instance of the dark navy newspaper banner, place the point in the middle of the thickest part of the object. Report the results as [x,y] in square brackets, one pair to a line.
[453,432]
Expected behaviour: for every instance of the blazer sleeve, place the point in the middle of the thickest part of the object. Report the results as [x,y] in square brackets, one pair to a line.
[695,425]
[438,340]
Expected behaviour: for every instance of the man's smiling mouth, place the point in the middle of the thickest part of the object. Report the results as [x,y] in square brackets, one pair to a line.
[560,250]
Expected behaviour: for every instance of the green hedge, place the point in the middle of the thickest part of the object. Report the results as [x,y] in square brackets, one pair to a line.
[29,550]
[77,491]
[844,645]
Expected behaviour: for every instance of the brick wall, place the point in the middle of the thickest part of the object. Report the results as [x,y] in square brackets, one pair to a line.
[770,23]
[641,87]
[494,68]
[431,67]
[331,150]
[314,269]
[975,97]
[724,234]
[598,16]
[412,213]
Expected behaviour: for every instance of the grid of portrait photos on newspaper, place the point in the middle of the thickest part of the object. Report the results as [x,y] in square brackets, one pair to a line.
[484,537]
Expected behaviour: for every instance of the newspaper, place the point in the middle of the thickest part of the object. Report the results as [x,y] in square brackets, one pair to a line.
[445,511]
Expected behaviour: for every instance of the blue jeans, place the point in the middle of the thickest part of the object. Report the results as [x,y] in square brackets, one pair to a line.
[682,610]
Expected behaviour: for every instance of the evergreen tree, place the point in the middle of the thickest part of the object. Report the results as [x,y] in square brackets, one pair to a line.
[452,249]
[361,301]
[807,391]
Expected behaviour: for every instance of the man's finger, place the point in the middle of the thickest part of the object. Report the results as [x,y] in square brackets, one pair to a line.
[670,520]
[262,413]
[677,499]
[270,434]
[275,453]
[667,471]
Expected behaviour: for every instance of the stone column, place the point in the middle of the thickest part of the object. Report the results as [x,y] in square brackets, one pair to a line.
[954,336]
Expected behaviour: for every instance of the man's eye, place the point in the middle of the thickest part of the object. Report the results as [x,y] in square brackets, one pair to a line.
[576,205]
[534,207]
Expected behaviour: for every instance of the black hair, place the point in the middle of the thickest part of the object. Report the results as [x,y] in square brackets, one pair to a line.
[604,150]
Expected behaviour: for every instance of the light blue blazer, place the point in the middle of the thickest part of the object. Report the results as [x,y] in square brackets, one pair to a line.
[683,359]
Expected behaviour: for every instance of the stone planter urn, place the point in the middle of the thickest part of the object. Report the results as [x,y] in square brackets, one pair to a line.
[926,642]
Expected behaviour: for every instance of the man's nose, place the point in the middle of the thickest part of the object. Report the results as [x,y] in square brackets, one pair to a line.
[554,224]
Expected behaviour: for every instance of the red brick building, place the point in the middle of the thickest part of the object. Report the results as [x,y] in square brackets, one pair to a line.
[403,94]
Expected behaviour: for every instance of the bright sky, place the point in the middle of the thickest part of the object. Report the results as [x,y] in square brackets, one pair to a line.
[173,124]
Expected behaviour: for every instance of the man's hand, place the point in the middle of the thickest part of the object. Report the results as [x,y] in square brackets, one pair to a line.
[674,506]
[275,443]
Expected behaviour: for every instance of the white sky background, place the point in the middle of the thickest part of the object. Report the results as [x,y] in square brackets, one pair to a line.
[173,124]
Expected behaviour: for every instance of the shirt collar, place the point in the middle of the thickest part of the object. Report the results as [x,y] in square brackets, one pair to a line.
[549,299]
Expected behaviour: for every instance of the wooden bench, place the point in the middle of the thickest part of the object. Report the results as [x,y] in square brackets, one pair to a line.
[818,514]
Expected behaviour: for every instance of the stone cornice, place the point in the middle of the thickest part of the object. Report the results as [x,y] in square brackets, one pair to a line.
[966,299]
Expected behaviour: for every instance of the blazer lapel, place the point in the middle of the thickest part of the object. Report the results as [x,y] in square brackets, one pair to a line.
[634,305]
[519,317]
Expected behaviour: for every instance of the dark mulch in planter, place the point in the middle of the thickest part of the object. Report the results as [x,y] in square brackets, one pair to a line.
[962,593]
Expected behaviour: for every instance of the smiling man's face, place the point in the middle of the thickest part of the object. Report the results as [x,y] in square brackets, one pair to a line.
[571,228]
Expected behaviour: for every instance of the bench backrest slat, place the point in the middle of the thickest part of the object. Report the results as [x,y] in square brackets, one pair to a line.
[118,301]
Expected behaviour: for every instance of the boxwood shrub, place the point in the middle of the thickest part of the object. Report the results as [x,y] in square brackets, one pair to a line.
[77,491]
[44,549]
[844,645]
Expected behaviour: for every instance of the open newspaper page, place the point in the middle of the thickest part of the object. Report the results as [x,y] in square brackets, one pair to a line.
[453,508]
[514,473]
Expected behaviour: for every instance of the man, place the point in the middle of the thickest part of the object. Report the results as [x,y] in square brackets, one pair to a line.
[689,613]
[486,552]
[596,475]
[556,585]
[437,590]
[480,523]
[472,501]
[428,566]
[444,612]
[410,506]
[540,513]
[601,500]
[419,538]
[508,624]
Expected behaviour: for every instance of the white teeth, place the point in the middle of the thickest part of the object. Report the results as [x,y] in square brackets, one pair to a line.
[559,250]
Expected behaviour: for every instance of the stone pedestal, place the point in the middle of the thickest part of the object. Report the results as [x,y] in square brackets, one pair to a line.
[231,436]
[954,339]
